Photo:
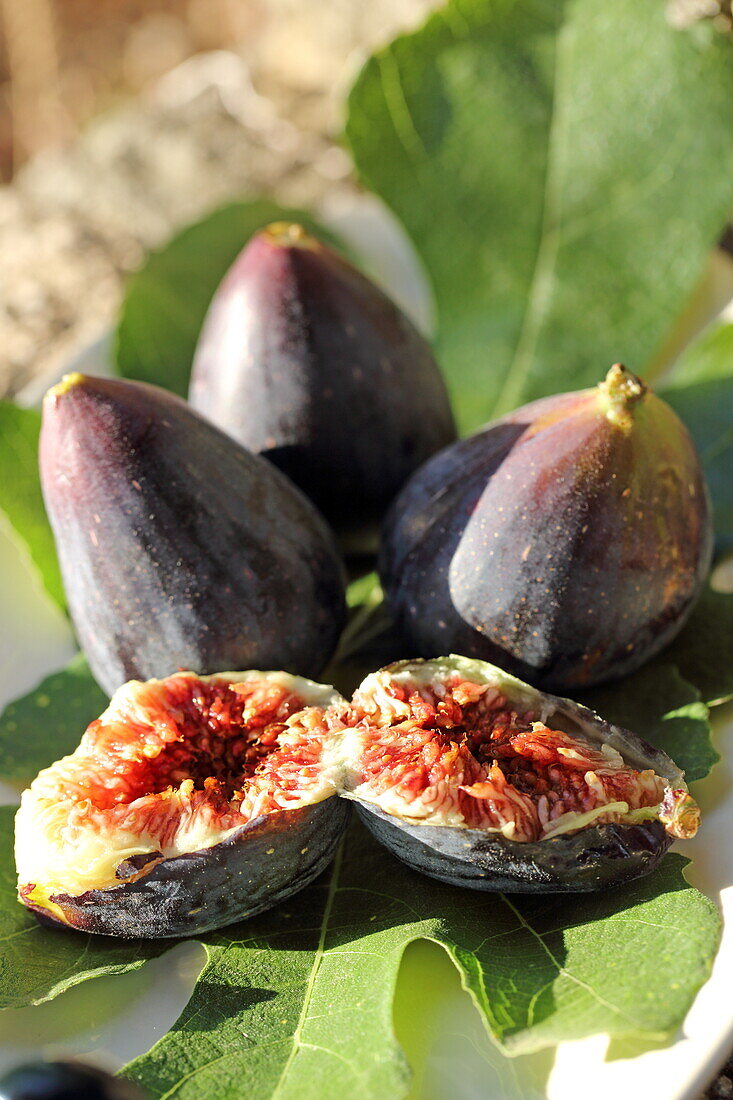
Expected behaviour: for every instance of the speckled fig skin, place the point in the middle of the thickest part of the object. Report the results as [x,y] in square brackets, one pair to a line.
[179,548]
[566,542]
[267,860]
[304,360]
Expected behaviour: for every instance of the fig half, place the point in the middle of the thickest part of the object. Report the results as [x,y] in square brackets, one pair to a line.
[566,542]
[192,802]
[305,361]
[179,548]
[479,780]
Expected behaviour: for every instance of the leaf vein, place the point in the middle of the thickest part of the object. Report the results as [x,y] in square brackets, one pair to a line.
[399,112]
[297,1034]
[545,257]
[563,970]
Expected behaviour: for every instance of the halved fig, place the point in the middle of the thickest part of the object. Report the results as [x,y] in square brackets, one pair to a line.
[475,778]
[192,802]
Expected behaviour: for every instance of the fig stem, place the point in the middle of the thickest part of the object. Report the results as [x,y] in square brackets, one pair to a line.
[620,391]
[289,235]
[67,383]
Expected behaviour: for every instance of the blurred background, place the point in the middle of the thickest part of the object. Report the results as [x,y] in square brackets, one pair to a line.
[121,120]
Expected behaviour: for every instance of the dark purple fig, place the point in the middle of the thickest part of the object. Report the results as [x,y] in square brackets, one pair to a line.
[475,778]
[566,542]
[304,360]
[190,803]
[64,1080]
[179,548]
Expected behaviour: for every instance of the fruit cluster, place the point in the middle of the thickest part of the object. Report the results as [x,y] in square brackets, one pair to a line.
[565,542]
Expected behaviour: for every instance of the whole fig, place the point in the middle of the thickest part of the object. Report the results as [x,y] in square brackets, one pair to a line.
[566,542]
[179,548]
[304,360]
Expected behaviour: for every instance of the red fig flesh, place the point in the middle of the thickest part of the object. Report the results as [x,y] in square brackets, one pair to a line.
[477,779]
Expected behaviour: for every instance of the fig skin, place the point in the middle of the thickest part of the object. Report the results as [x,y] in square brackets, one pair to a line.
[304,360]
[594,858]
[263,863]
[179,548]
[253,867]
[566,542]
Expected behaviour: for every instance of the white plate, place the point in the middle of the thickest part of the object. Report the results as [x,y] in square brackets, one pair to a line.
[114,1019]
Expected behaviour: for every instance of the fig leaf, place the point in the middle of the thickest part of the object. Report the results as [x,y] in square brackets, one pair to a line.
[39,964]
[304,994]
[704,649]
[700,389]
[299,1001]
[167,300]
[533,968]
[564,239]
[370,639]
[20,492]
[47,723]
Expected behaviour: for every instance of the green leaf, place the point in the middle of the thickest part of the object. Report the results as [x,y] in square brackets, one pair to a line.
[37,963]
[299,1003]
[300,999]
[562,186]
[370,639]
[20,492]
[48,722]
[704,650]
[167,300]
[700,389]
[664,709]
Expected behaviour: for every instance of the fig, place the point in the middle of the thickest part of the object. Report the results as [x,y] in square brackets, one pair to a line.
[179,548]
[190,803]
[479,780]
[566,542]
[305,361]
[64,1080]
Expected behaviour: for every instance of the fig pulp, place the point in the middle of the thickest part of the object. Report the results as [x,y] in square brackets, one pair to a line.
[190,803]
[179,548]
[477,779]
[304,360]
[566,542]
